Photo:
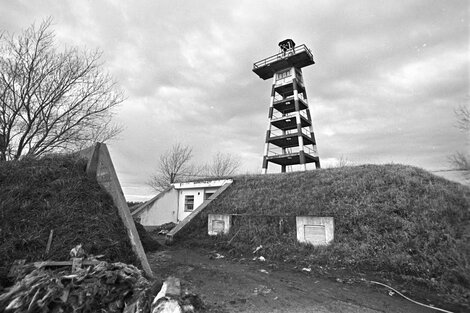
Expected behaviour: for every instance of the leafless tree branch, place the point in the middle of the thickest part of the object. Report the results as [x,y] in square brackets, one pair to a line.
[461,160]
[174,167]
[52,100]
[222,165]
[462,113]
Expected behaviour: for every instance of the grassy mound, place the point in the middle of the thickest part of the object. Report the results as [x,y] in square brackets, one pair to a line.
[389,218]
[148,242]
[54,193]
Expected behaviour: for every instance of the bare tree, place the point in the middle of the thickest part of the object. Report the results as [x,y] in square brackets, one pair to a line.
[343,161]
[462,113]
[223,164]
[51,100]
[174,167]
[461,160]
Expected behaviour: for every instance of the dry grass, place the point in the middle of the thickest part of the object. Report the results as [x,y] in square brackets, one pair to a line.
[54,193]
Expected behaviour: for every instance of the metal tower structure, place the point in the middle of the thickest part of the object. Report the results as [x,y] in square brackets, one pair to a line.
[289,137]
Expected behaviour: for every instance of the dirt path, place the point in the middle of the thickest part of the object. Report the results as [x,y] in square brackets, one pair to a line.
[238,285]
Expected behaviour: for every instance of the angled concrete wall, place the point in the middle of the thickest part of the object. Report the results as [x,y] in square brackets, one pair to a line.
[161,211]
[100,166]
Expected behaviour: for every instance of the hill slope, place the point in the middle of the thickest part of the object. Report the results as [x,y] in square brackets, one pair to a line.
[390,218]
[54,193]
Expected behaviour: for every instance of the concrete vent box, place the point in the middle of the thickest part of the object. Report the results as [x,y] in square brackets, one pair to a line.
[318,231]
[218,224]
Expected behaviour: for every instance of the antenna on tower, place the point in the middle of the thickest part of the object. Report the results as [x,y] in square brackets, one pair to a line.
[290,139]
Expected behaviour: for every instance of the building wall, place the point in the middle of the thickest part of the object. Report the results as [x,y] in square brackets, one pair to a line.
[198,194]
[162,211]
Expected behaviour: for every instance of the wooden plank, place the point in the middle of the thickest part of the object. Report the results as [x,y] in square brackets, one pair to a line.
[62,263]
[49,242]
[170,236]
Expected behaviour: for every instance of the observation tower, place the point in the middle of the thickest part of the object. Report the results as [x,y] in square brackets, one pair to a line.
[289,136]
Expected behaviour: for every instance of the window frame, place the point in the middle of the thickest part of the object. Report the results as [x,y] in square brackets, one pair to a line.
[283,74]
[188,202]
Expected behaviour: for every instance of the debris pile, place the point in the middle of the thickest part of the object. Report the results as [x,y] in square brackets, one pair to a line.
[104,287]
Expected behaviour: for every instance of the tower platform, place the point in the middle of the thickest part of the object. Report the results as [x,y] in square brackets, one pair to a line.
[298,57]
[292,159]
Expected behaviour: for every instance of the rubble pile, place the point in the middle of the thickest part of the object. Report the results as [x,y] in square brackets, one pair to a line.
[104,287]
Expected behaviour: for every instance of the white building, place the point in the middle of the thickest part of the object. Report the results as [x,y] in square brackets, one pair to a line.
[176,203]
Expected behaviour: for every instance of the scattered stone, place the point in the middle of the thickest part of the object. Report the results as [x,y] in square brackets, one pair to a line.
[168,306]
[216,255]
[194,300]
[174,287]
[169,299]
[188,308]
[263,290]
[257,249]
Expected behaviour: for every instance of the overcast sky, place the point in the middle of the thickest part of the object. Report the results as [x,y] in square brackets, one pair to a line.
[387,78]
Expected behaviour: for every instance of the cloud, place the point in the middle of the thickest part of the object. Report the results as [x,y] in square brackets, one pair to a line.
[386,79]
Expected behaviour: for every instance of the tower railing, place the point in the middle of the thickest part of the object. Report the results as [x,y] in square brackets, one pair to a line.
[278,132]
[281,55]
[278,151]
[278,98]
[278,115]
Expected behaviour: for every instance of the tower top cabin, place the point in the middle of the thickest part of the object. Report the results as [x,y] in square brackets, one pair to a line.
[288,56]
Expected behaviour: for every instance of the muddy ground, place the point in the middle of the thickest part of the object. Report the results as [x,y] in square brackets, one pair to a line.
[228,284]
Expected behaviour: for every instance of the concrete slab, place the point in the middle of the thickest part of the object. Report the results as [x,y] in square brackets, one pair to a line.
[315,230]
[218,224]
[173,287]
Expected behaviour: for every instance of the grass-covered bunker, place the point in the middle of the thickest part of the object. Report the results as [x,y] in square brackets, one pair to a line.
[390,218]
[54,193]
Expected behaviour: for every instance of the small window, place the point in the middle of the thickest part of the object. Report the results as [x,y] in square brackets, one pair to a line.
[188,203]
[283,74]
[207,195]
